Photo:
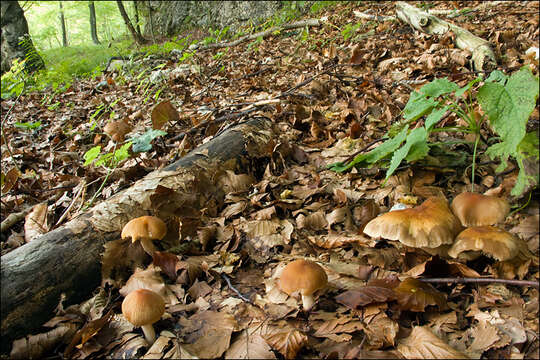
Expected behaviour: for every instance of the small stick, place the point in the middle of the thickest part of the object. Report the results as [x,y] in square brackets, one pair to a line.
[83,185]
[235,290]
[480,281]
[12,219]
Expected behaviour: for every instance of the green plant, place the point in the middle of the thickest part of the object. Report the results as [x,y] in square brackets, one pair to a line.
[349,30]
[506,101]
[14,80]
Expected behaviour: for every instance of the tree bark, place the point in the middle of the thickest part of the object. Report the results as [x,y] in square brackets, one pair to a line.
[63,24]
[16,42]
[137,24]
[93,27]
[139,39]
[67,260]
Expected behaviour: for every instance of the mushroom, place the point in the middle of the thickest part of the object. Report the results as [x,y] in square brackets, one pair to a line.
[428,225]
[490,240]
[145,229]
[142,308]
[479,210]
[117,130]
[304,276]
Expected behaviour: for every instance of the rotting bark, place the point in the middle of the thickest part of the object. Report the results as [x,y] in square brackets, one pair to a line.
[67,260]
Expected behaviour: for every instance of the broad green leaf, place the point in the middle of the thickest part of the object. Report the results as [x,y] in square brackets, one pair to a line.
[435,117]
[122,153]
[439,87]
[529,145]
[91,155]
[416,137]
[374,155]
[497,76]
[418,106]
[509,107]
[142,143]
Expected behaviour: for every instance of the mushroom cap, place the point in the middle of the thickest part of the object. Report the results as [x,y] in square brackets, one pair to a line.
[490,240]
[479,210]
[143,307]
[144,227]
[428,225]
[304,276]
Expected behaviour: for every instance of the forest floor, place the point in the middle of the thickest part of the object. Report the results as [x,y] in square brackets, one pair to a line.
[336,89]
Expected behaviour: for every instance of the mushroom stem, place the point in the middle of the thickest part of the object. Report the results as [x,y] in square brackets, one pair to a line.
[149,333]
[148,246]
[307,302]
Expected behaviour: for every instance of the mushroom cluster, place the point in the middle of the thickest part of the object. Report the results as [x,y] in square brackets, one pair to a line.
[435,228]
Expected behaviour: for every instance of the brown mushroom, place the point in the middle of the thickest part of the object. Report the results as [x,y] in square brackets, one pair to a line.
[428,225]
[142,308]
[479,210]
[489,240]
[145,229]
[303,276]
[117,130]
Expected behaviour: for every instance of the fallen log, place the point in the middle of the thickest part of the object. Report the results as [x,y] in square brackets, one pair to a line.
[67,260]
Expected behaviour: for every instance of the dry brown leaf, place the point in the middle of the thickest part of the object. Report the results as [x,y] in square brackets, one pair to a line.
[333,241]
[250,345]
[145,279]
[230,182]
[314,221]
[363,296]
[484,335]
[88,331]
[9,179]
[207,334]
[36,222]
[423,344]
[415,295]
[381,331]
[117,130]
[162,113]
[167,262]
[37,346]
[285,339]
[337,326]
[119,260]
[199,289]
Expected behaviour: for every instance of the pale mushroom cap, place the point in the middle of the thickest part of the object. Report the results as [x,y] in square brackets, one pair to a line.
[479,210]
[304,276]
[428,225]
[143,307]
[144,227]
[490,240]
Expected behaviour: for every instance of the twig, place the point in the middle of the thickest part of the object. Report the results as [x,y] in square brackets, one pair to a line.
[12,219]
[481,281]
[83,185]
[235,290]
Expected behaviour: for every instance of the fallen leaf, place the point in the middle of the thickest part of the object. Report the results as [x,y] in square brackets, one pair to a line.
[36,222]
[355,299]
[285,339]
[415,295]
[423,344]
[162,113]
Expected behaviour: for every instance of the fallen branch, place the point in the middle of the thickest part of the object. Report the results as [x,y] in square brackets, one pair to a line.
[12,219]
[481,281]
[298,24]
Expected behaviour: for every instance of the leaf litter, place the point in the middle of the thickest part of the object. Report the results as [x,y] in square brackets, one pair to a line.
[219,282]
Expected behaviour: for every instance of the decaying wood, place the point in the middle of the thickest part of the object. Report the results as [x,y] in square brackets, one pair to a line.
[67,260]
[481,51]
[294,25]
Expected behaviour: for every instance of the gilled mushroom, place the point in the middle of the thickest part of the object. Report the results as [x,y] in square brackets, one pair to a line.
[142,308]
[303,276]
[489,240]
[428,225]
[479,210]
[145,229]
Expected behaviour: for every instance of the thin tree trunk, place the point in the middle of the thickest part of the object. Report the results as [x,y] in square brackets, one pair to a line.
[137,25]
[151,22]
[139,39]
[63,24]
[93,28]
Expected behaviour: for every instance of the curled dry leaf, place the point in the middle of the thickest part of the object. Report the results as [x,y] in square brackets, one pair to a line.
[119,259]
[162,113]
[285,339]
[415,295]
[10,179]
[167,262]
[355,299]
[250,345]
[423,344]
[88,331]
[36,346]
[36,222]
[230,182]
[117,130]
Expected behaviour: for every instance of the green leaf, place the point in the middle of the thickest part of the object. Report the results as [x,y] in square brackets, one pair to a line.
[418,106]
[104,159]
[418,138]
[435,117]
[142,143]
[122,153]
[28,125]
[509,107]
[497,76]
[529,145]
[91,155]
[459,93]
[439,87]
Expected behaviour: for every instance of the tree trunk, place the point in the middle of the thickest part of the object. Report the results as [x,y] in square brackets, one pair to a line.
[16,42]
[151,22]
[93,29]
[67,260]
[63,24]
[137,25]
[139,39]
